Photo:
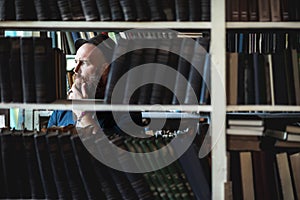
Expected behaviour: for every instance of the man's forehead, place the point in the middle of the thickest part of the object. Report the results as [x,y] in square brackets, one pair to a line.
[88,51]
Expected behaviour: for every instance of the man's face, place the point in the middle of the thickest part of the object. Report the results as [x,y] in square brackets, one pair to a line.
[89,62]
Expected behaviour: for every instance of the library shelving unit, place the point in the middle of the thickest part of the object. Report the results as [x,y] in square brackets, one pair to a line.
[217,108]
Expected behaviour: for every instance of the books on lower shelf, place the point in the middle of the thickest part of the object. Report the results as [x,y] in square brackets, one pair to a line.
[263,174]
[60,166]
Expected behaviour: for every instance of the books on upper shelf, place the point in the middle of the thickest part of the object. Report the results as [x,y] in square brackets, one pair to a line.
[106,10]
[262,10]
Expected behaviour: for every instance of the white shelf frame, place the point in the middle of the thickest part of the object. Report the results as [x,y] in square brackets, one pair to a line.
[91,106]
[263,108]
[262,25]
[98,25]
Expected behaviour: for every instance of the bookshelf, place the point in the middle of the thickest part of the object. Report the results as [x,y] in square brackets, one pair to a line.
[218,108]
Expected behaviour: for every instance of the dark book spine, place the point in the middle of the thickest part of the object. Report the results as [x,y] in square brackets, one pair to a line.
[42,66]
[145,90]
[44,165]
[25,10]
[194,10]
[27,66]
[117,69]
[169,9]
[195,173]
[104,10]
[182,10]
[90,10]
[235,175]
[5,86]
[205,86]
[7,10]
[142,10]
[76,10]
[195,75]
[205,10]
[137,180]
[128,9]
[54,11]
[107,184]
[159,74]
[183,71]
[86,170]
[15,70]
[133,79]
[116,10]
[58,168]
[41,7]
[37,190]
[10,177]
[253,10]
[287,55]
[72,171]
[64,10]
[156,11]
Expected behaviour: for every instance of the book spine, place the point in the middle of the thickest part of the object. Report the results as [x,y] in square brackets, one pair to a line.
[116,10]
[64,10]
[194,10]
[128,10]
[25,10]
[87,172]
[76,10]
[183,72]
[117,69]
[104,10]
[27,66]
[37,190]
[142,10]
[42,65]
[182,10]
[15,70]
[44,164]
[41,7]
[5,82]
[156,12]
[73,175]
[7,10]
[58,168]
[54,10]
[90,11]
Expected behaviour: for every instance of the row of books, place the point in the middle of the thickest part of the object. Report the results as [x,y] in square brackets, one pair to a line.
[160,71]
[31,70]
[264,174]
[263,10]
[56,165]
[263,68]
[106,10]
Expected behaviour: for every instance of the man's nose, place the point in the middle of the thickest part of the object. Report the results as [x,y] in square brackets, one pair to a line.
[77,67]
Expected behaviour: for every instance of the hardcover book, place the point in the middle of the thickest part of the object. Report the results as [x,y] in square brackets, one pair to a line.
[44,164]
[15,70]
[90,10]
[28,69]
[37,190]
[5,82]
